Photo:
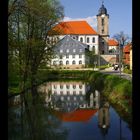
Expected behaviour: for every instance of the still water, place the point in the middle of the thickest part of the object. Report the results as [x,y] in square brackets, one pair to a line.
[66,111]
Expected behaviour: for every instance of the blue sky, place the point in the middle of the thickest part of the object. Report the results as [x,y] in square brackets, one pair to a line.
[120,13]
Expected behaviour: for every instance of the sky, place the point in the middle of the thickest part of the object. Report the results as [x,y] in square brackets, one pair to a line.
[120,13]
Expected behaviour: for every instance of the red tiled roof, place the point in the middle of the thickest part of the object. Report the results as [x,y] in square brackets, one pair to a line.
[74,27]
[112,42]
[76,116]
[127,48]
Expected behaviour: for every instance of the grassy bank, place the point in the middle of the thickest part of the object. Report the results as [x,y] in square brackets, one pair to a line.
[117,90]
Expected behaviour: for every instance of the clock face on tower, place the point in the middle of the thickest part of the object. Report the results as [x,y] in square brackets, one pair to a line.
[103,15]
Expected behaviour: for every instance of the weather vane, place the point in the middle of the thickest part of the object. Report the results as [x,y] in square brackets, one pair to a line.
[102,1]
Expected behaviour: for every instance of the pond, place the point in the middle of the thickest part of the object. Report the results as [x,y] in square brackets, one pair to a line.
[71,110]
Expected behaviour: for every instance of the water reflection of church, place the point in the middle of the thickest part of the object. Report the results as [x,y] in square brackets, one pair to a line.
[76,101]
[70,96]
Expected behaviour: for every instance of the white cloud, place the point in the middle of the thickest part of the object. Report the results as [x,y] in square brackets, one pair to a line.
[91,20]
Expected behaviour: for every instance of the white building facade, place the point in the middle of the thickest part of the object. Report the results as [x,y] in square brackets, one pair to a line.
[69,53]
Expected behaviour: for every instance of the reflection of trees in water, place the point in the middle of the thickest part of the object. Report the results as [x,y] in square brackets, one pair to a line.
[125,116]
[31,120]
[104,116]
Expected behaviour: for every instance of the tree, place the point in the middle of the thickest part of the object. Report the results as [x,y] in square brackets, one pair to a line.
[122,39]
[28,24]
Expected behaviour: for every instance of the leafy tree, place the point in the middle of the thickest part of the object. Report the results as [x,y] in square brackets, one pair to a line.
[29,22]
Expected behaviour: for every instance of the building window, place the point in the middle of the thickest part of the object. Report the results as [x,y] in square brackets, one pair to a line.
[61,86]
[74,98]
[68,93]
[68,98]
[74,92]
[73,62]
[73,56]
[54,86]
[67,86]
[67,50]
[61,62]
[80,55]
[61,92]
[80,86]
[74,86]
[74,50]
[62,98]
[80,50]
[81,98]
[80,62]
[87,39]
[61,51]
[93,40]
[102,31]
[67,56]
[80,92]
[67,62]
[54,62]
[81,39]
[102,21]
[61,56]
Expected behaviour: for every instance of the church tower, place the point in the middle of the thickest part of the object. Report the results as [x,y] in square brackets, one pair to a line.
[103,29]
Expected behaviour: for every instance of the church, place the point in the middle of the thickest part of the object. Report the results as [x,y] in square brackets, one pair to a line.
[96,41]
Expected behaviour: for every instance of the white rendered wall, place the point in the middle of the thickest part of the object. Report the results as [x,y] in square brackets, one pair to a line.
[56,89]
[70,59]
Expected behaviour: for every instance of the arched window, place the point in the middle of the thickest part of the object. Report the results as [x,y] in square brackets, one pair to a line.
[74,86]
[54,62]
[93,40]
[73,62]
[61,62]
[61,86]
[67,62]
[80,62]
[81,39]
[87,39]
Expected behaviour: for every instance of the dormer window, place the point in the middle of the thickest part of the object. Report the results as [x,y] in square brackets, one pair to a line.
[61,51]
